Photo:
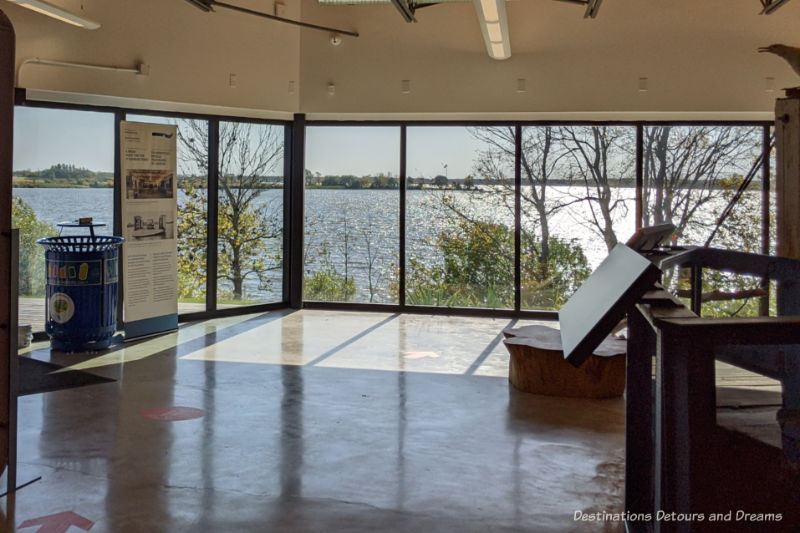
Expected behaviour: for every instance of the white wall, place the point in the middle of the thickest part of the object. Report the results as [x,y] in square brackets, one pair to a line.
[190,53]
[700,59]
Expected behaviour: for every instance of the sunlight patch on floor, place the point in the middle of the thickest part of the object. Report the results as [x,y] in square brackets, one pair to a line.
[370,341]
[146,348]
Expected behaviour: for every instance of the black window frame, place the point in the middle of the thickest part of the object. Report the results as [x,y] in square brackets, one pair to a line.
[293,200]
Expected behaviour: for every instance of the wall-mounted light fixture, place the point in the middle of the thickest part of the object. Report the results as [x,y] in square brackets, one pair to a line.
[46,8]
[494,26]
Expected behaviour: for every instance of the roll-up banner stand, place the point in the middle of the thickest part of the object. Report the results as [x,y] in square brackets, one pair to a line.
[149,214]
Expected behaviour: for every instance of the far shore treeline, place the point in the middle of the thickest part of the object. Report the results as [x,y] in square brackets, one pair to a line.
[70,176]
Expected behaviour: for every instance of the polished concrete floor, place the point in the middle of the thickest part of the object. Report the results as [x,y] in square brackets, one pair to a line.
[313,421]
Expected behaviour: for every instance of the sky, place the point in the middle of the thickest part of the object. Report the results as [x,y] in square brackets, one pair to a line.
[45,137]
[359,150]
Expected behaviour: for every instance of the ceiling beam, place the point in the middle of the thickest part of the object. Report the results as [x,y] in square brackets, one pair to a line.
[593,6]
[200,4]
[406,11]
[208,5]
[770,6]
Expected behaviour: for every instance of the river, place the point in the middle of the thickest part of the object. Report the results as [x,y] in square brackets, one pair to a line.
[356,231]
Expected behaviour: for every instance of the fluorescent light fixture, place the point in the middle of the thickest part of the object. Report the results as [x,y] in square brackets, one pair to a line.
[490,10]
[494,26]
[46,8]
[494,31]
[498,51]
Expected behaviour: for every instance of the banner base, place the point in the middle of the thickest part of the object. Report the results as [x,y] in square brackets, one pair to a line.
[150,326]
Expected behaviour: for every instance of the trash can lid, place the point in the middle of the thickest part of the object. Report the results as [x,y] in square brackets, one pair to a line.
[81,243]
[81,223]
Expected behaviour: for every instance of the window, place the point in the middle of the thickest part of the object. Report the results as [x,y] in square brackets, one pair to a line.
[577,196]
[250,214]
[352,214]
[694,174]
[63,170]
[460,217]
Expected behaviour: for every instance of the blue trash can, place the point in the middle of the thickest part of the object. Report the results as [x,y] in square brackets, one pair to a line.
[81,293]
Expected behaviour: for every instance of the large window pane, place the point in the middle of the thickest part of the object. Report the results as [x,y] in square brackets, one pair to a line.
[564,187]
[596,197]
[250,227]
[352,214]
[460,217]
[578,194]
[692,175]
[63,170]
[192,209]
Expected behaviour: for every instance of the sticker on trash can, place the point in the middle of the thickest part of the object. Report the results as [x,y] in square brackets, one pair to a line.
[62,308]
[112,271]
[75,273]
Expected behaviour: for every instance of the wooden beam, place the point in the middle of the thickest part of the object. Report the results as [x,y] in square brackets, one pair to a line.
[8,348]
[787,182]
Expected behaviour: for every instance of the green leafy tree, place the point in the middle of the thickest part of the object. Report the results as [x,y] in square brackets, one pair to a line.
[478,269]
[31,255]
[326,283]
[192,239]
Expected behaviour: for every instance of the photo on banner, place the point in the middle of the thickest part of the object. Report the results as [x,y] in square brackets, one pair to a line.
[149,213]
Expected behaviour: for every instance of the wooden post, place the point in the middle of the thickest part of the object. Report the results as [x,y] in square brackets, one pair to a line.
[639,446]
[787,181]
[8,351]
[685,418]
[787,188]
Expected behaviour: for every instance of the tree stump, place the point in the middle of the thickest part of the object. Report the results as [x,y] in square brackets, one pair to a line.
[537,365]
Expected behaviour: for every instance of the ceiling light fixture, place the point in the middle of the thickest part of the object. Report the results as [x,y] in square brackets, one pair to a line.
[46,8]
[494,26]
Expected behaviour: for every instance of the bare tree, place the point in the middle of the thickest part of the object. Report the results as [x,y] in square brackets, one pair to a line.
[540,160]
[372,254]
[250,229]
[684,169]
[599,157]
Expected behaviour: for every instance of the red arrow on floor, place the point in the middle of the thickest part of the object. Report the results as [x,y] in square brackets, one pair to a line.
[58,523]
